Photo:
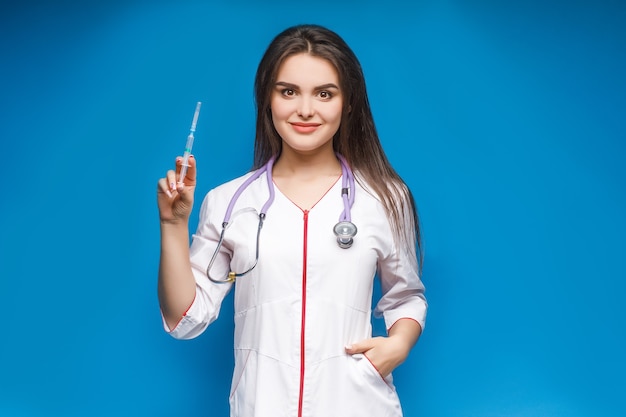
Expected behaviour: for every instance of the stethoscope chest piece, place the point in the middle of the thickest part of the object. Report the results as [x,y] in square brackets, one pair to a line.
[345,232]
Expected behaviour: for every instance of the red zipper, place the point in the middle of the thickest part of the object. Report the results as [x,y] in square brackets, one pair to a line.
[304,253]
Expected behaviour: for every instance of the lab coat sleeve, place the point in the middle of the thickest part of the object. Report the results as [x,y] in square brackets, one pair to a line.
[402,289]
[206,305]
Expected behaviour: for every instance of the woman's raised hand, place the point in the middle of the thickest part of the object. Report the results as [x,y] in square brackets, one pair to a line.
[174,198]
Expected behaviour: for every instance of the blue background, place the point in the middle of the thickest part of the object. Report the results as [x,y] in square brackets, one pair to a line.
[507,119]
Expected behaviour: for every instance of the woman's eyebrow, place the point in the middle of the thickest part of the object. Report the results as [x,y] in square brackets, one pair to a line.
[326,86]
[295,87]
[286,85]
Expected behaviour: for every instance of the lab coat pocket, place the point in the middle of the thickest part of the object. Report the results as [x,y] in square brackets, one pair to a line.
[375,395]
[371,373]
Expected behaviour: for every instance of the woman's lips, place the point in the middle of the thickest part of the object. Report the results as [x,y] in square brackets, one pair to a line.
[305,127]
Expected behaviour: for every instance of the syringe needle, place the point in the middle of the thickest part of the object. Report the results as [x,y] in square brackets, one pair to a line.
[189,145]
[195,117]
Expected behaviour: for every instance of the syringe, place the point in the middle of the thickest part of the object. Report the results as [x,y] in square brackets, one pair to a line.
[185,164]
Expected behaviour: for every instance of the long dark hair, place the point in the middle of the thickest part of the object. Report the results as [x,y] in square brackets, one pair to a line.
[357,139]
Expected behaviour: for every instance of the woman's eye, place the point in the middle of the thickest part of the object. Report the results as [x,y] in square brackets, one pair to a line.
[288,92]
[325,94]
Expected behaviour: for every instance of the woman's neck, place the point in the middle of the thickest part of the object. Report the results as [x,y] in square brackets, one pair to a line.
[307,166]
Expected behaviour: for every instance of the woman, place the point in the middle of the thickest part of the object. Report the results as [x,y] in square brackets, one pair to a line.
[303,292]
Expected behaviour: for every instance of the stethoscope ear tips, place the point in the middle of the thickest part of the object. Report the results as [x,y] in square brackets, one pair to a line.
[345,231]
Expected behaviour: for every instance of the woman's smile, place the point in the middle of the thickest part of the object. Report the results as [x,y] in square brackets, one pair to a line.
[305,127]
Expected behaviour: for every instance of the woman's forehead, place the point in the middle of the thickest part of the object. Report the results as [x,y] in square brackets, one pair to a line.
[306,69]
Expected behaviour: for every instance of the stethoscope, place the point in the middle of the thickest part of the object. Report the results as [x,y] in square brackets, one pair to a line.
[345,230]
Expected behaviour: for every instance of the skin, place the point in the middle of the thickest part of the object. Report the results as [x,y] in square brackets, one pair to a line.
[306,106]
[176,284]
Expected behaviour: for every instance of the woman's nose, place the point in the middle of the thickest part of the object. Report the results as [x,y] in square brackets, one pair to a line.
[305,108]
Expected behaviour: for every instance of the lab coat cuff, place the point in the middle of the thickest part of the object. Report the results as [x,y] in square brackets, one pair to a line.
[392,317]
[187,327]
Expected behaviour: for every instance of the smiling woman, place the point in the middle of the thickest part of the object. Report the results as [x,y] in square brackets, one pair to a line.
[303,333]
[306,105]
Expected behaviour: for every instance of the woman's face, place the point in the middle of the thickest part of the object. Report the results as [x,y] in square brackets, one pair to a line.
[306,103]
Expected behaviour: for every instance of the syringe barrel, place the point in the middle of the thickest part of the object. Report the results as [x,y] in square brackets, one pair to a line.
[189,144]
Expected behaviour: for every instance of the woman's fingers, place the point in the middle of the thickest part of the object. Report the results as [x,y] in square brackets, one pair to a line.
[163,187]
[360,347]
[167,184]
[190,178]
[189,175]
[175,200]
[171,180]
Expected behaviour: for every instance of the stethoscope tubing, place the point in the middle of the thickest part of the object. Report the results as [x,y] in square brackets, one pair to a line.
[347,189]
[347,195]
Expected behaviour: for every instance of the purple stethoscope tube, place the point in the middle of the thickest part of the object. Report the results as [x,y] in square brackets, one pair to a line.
[345,230]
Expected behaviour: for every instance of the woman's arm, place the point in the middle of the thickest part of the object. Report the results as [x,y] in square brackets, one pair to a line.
[402,304]
[176,284]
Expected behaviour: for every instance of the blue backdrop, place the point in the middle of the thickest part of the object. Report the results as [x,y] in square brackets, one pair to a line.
[507,119]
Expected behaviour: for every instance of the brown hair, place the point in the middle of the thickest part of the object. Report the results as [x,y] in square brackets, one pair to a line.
[357,139]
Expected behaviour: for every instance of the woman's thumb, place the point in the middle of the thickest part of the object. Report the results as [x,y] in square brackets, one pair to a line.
[359,347]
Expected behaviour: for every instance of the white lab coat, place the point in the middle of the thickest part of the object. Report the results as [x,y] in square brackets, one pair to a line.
[303,303]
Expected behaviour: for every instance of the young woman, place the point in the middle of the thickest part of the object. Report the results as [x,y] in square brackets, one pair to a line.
[282,235]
